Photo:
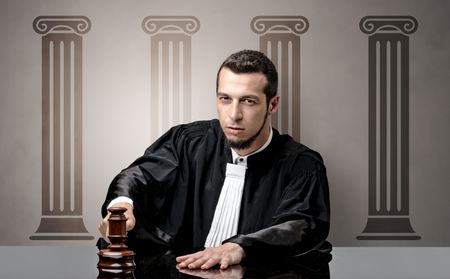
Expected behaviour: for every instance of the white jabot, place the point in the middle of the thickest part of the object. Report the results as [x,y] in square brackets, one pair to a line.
[226,216]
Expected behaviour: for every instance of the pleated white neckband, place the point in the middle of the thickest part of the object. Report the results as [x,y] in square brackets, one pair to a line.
[226,215]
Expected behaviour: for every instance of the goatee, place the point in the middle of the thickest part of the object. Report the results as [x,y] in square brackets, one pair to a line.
[246,143]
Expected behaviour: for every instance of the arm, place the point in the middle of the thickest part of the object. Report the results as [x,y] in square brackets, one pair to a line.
[301,221]
[300,225]
[154,171]
[150,175]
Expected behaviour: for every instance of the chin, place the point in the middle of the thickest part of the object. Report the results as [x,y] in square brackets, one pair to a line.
[233,138]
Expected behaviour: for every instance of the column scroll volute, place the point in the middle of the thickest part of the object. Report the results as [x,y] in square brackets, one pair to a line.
[279,24]
[388,24]
[171,24]
[61,24]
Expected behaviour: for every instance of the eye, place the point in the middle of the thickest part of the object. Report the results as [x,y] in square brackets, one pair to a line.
[223,98]
[249,101]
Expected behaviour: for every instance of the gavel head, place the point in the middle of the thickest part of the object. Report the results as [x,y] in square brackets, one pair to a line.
[117,227]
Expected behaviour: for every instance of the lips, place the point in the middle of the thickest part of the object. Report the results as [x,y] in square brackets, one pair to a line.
[235,130]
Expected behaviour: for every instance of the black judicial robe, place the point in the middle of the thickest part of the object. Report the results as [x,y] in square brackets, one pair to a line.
[176,184]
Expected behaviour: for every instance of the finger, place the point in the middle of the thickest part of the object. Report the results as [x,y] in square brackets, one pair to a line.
[107,235]
[187,262]
[210,263]
[224,263]
[130,224]
[181,258]
[193,255]
[103,228]
[197,263]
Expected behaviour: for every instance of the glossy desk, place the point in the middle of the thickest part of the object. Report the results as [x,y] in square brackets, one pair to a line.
[348,262]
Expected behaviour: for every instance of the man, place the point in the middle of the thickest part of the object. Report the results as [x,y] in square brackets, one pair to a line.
[223,190]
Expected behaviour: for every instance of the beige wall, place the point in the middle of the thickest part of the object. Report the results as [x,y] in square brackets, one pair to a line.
[334,101]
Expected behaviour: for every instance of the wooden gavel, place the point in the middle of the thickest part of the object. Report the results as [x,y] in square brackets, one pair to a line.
[117,258]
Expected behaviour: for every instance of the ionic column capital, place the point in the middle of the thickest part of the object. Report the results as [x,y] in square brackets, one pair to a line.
[279,24]
[61,24]
[170,24]
[388,24]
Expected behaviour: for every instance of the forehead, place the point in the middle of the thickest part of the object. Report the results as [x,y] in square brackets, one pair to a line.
[249,82]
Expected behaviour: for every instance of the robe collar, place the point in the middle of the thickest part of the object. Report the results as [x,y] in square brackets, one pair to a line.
[242,160]
[259,162]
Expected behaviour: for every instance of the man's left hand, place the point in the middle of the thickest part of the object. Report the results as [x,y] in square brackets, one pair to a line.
[223,255]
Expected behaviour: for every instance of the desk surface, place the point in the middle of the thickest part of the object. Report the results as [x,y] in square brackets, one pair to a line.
[348,262]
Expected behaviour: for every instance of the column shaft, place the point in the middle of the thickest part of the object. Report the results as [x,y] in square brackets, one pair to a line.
[61,129]
[388,102]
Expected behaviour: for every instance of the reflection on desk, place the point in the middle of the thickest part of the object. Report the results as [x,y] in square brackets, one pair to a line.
[80,262]
[160,263]
[165,266]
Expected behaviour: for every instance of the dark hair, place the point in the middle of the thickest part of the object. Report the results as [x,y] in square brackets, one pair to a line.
[252,61]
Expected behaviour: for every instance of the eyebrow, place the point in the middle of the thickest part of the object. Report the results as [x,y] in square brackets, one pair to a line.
[251,96]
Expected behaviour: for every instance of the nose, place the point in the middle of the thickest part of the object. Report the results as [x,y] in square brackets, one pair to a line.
[235,111]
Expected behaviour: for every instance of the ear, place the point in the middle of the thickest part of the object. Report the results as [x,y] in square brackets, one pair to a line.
[273,104]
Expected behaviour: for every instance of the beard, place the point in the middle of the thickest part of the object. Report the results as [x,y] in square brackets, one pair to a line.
[246,143]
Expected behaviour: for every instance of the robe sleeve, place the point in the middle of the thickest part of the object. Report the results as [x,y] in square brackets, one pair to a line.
[151,175]
[157,182]
[301,222]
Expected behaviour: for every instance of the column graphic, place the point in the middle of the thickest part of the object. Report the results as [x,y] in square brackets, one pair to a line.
[170,70]
[388,127]
[280,41]
[61,127]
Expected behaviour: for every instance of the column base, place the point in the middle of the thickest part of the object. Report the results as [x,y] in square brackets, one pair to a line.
[61,228]
[388,228]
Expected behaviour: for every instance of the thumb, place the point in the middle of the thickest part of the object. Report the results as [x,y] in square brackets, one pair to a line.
[131,221]
[104,228]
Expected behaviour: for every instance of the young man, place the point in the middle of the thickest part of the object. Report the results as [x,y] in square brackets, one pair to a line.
[223,190]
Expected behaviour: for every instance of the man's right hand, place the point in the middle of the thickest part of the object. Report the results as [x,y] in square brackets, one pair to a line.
[103,227]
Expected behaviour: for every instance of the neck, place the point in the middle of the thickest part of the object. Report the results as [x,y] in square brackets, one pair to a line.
[261,141]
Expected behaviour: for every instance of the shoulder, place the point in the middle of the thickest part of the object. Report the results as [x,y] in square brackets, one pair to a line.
[190,136]
[195,130]
[299,156]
